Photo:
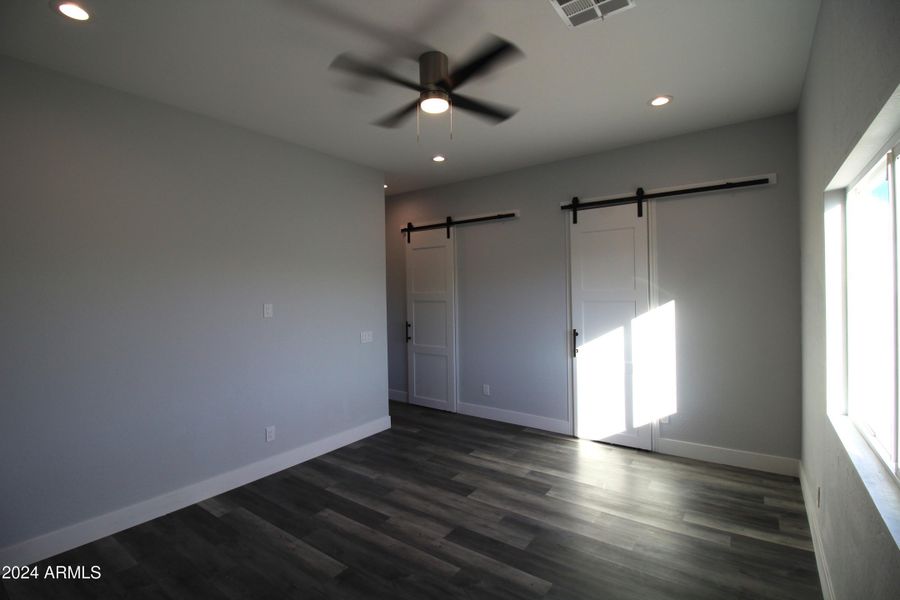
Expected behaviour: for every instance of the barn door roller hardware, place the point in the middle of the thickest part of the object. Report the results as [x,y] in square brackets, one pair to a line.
[640,196]
[449,222]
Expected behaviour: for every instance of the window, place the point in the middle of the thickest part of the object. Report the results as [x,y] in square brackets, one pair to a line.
[870,288]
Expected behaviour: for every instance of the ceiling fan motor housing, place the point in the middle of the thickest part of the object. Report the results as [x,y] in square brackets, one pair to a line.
[433,68]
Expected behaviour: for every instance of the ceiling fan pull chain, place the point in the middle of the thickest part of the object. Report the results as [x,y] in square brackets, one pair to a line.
[451,119]
[417,124]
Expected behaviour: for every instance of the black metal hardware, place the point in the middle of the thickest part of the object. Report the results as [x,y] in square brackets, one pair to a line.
[639,197]
[449,222]
[407,331]
[574,343]
[640,201]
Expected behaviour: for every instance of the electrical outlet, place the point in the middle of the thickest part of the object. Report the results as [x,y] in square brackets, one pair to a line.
[270,433]
[268,311]
[486,390]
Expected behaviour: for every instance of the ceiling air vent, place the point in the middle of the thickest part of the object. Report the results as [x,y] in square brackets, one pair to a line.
[579,12]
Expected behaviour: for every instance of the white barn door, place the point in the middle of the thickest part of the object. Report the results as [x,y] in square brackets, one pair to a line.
[610,287]
[431,319]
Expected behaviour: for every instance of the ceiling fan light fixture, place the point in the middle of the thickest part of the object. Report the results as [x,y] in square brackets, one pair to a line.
[434,102]
[73,10]
[437,86]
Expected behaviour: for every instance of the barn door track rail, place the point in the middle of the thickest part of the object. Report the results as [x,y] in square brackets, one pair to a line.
[640,196]
[450,222]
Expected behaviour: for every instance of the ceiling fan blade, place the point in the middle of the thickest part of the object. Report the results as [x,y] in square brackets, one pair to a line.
[398,43]
[491,55]
[491,112]
[396,118]
[347,63]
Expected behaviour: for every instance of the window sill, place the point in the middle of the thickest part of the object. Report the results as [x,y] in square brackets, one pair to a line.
[877,479]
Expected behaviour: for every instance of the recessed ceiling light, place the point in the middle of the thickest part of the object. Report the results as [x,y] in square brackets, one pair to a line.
[438,158]
[660,101]
[73,10]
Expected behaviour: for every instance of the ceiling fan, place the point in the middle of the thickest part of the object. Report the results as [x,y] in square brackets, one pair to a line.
[437,84]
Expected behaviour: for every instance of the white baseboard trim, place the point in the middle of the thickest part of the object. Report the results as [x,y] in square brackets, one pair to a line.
[72,536]
[809,500]
[728,456]
[514,417]
[397,395]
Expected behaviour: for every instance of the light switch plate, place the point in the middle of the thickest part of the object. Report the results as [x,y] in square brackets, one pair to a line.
[268,311]
[365,337]
[270,433]
[486,390]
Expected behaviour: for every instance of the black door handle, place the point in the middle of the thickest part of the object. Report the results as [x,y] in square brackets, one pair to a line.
[574,343]
[407,331]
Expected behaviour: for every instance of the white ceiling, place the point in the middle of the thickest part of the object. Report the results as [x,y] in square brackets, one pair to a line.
[263,65]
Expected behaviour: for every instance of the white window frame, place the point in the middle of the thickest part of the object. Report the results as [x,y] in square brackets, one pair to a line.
[892,463]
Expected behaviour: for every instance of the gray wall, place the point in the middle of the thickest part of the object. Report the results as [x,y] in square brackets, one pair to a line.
[731,262]
[139,244]
[854,66]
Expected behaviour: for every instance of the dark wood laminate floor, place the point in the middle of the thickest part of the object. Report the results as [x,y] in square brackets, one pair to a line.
[447,506]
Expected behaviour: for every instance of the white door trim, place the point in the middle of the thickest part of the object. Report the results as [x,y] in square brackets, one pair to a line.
[653,276]
[454,375]
[570,360]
